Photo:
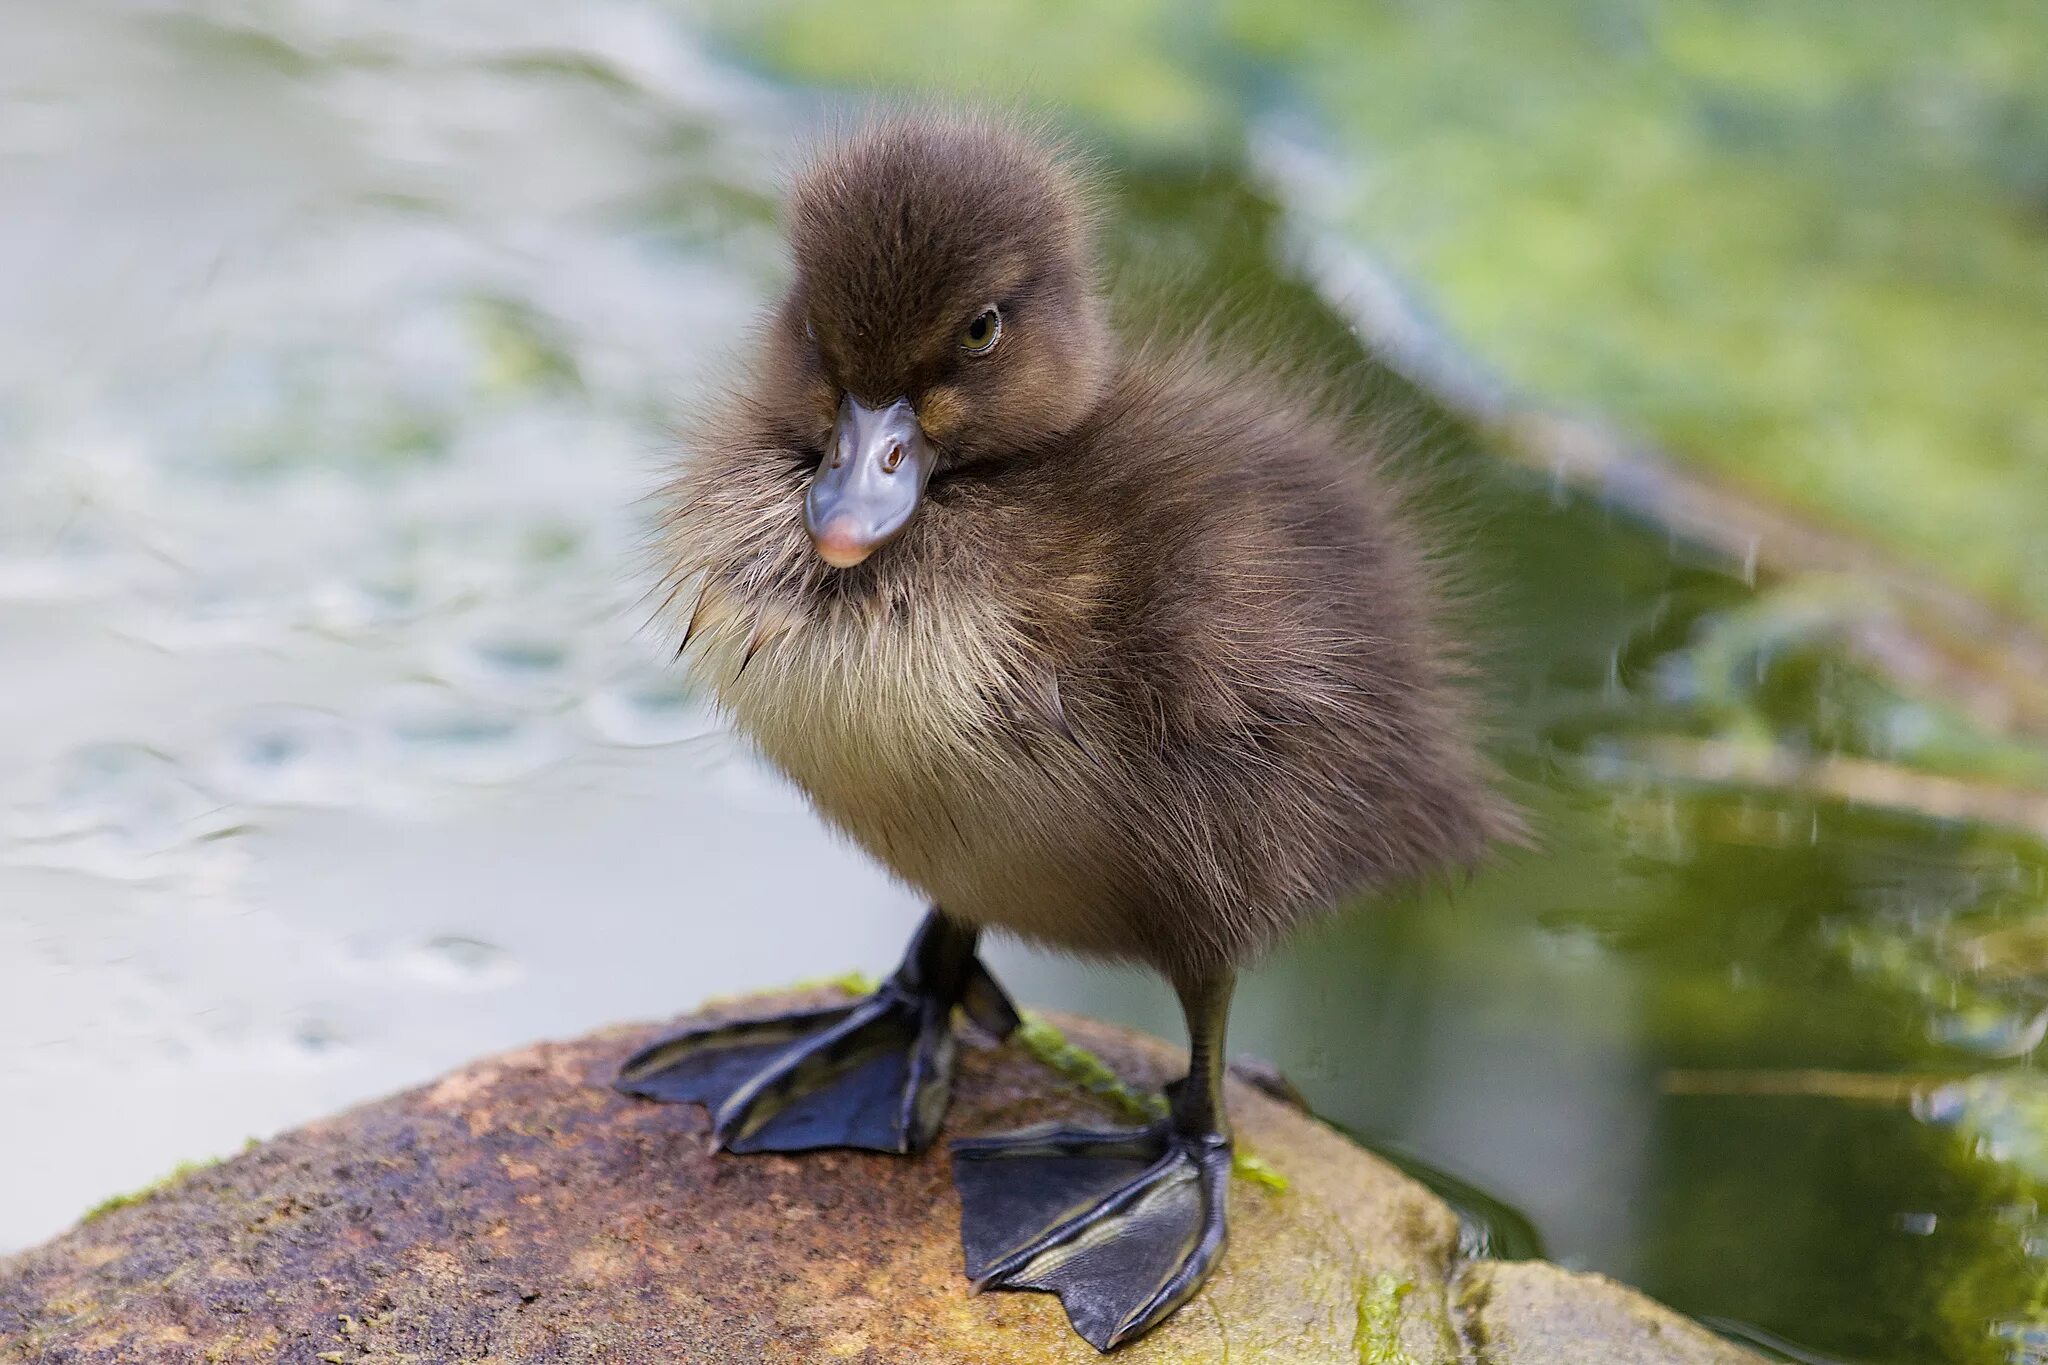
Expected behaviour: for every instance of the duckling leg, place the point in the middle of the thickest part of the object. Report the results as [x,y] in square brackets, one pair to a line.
[1124,1225]
[874,1074]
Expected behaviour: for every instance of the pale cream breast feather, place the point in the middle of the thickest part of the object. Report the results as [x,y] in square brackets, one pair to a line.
[898,728]
[840,684]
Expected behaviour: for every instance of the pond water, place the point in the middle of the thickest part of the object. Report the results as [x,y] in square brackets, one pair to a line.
[341,345]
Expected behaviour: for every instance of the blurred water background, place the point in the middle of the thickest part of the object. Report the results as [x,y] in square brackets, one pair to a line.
[338,348]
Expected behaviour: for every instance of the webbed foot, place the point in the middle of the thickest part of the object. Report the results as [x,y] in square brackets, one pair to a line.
[874,1074]
[1123,1225]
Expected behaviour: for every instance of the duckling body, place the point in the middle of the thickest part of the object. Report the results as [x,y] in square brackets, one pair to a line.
[1130,654]
[1156,695]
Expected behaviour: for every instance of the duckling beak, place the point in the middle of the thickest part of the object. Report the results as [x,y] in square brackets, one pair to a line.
[869,486]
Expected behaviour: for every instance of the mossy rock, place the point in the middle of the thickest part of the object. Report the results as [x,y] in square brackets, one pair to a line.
[520,1210]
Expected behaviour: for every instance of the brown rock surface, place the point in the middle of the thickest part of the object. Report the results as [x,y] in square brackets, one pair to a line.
[520,1210]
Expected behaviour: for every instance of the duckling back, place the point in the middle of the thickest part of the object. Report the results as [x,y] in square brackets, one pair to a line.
[1250,644]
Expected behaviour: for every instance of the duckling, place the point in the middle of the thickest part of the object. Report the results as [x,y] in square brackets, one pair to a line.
[1131,653]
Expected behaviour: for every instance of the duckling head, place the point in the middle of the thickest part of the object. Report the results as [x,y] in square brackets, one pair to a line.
[943,313]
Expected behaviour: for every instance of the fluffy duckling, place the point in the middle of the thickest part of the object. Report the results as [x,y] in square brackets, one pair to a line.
[1132,655]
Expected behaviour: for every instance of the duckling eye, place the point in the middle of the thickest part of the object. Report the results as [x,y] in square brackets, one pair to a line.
[981,335]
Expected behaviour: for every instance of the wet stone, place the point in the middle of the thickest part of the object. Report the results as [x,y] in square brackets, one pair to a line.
[520,1209]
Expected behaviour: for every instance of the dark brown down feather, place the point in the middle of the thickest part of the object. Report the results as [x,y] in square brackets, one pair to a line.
[1156,673]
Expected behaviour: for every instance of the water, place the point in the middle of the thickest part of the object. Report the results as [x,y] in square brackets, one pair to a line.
[342,343]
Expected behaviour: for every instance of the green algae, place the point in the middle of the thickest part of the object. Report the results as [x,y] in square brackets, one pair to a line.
[178,1175]
[855,983]
[1054,1049]
[1051,1047]
[852,983]
[1258,1170]
[1379,1321]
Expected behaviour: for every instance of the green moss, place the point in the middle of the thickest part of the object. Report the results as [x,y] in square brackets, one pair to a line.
[1379,1321]
[1052,1047]
[854,983]
[1259,1171]
[1048,1045]
[183,1171]
[848,983]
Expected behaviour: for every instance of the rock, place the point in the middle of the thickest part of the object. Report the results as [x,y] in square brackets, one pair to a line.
[1529,1313]
[520,1210]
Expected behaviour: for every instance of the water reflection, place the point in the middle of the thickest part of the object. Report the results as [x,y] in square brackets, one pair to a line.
[343,753]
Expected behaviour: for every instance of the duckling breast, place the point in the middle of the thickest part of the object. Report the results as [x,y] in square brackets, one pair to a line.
[903,725]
